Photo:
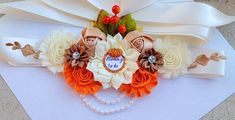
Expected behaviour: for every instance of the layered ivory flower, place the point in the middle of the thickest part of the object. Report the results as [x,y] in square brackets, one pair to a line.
[52,50]
[114,62]
[176,56]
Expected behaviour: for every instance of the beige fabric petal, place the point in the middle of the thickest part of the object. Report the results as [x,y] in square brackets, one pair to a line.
[132,55]
[117,80]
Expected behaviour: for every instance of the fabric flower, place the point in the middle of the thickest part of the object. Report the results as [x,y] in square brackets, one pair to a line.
[81,79]
[142,83]
[77,55]
[52,50]
[176,56]
[89,38]
[123,62]
[139,40]
[150,60]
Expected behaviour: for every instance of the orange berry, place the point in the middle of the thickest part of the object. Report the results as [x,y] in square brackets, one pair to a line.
[122,28]
[114,19]
[106,20]
[116,9]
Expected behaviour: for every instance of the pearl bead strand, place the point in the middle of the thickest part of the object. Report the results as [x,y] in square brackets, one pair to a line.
[111,102]
[106,112]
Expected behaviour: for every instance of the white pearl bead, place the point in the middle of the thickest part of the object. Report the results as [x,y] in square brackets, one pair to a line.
[76,55]
[103,101]
[122,108]
[118,110]
[110,111]
[106,112]
[152,59]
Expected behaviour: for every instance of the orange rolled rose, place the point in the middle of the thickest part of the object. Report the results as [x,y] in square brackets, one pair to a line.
[81,80]
[142,83]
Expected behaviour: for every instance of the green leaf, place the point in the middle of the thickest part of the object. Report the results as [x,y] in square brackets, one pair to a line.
[129,22]
[112,29]
[99,22]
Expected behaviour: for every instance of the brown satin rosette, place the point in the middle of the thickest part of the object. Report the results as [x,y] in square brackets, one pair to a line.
[139,41]
[77,55]
[150,59]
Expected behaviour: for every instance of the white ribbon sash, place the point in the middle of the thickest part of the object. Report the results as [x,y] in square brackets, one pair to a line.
[183,19]
[16,58]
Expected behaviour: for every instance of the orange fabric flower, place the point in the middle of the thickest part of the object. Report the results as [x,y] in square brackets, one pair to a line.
[81,80]
[142,83]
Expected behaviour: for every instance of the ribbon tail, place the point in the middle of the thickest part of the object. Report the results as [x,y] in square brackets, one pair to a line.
[81,8]
[15,51]
[38,8]
[195,35]
[207,63]
[185,13]
[25,32]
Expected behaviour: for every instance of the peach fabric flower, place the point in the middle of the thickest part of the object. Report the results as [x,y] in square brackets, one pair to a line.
[142,83]
[81,79]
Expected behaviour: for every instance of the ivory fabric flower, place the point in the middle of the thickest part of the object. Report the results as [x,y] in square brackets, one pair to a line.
[176,56]
[114,62]
[52,50]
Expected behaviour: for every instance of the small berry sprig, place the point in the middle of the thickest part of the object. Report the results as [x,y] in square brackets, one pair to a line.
[115,19]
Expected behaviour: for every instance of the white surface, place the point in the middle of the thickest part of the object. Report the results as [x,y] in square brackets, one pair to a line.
[46,96]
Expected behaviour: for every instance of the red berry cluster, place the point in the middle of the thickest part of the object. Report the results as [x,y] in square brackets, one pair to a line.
[115,19]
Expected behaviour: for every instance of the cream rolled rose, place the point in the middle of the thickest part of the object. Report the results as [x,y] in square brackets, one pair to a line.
[172,60]
[176,56]
[52,50]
